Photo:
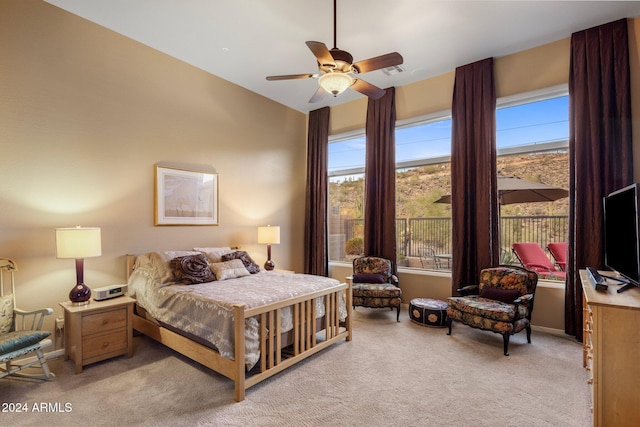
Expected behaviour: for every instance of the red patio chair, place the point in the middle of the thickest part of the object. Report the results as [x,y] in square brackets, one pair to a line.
[533,258]
[558,251]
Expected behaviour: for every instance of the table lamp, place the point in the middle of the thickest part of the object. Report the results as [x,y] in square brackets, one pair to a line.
[269,235]
[78,243]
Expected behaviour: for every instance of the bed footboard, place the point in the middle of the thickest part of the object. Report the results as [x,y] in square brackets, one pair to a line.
[307,341]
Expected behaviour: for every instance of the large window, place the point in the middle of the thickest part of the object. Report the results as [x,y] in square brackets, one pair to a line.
[423,176]
[346,197]
[532,144]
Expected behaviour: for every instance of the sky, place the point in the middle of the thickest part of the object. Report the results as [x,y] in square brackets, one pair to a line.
[530,123]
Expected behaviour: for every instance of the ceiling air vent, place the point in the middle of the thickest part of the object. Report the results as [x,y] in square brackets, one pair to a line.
[393,70]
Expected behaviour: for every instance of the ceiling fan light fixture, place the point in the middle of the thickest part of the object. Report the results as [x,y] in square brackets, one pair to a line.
[335,83]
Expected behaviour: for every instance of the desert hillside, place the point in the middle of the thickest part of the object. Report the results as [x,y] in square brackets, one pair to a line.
[418,188]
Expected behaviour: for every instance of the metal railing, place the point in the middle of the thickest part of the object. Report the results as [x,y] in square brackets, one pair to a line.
[417,237]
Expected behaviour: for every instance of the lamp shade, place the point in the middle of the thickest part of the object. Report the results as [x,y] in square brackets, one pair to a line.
[269,235]
[78,242]
[335,83]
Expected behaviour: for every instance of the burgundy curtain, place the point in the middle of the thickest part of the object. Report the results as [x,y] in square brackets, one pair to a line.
[380,178]
[474,201]
[315,231]
[600,150]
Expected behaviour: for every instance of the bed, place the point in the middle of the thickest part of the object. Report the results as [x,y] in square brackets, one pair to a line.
[246,324]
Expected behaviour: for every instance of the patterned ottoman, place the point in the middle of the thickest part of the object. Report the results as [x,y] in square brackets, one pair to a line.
[428,312]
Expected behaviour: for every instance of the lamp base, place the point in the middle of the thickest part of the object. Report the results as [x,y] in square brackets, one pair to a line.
[80,294]
[269,265]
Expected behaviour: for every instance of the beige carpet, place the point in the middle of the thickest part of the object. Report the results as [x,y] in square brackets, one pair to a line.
[391,374]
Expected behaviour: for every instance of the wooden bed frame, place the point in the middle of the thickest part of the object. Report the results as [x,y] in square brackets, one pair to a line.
[308,339]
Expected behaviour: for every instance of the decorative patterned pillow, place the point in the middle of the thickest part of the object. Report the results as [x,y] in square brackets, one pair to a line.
[214,254]
[503,295]
[6,314]
[229,269]
[243,256]
[368,278]
[192,269]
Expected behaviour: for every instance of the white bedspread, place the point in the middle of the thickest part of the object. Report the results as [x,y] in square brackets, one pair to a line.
[206,310]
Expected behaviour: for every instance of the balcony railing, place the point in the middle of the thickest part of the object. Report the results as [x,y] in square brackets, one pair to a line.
[431,237]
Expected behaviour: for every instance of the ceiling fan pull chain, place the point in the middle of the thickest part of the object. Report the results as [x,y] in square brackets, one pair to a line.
[335,37]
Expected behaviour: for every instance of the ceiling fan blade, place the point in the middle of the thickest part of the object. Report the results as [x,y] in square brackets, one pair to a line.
[317,97]
[321,53]
[383,61]
[290,77]
[373,92]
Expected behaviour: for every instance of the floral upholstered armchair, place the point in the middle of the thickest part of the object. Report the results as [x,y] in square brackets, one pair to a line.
[502,302]
[374,284]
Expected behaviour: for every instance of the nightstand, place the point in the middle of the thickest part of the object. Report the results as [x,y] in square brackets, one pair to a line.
[98,331]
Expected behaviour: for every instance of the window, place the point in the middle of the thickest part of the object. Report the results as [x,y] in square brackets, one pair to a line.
[346,197]
[423,176]
[532,143]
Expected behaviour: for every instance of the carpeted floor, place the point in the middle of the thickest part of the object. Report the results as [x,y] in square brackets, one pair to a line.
[391,374]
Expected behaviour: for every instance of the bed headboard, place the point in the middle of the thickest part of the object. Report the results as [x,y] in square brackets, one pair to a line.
[131,259]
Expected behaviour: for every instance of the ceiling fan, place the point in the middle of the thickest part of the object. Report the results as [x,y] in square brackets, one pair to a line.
[337,71]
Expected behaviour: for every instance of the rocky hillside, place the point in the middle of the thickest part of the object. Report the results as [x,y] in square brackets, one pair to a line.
[418,188]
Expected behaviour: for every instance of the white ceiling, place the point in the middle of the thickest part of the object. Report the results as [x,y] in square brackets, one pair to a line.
[243,41]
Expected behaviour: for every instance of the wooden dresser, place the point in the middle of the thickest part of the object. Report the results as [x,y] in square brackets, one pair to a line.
[612,353]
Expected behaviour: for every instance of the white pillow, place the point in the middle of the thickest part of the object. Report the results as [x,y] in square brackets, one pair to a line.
[215,254]
[229,269]
[155,265]
[175,254]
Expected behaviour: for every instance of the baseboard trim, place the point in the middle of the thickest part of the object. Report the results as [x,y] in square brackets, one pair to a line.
[551,331]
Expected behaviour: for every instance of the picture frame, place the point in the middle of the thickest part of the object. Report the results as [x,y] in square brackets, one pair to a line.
[185,197]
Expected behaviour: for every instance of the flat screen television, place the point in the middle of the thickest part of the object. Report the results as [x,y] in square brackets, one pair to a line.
[622,234]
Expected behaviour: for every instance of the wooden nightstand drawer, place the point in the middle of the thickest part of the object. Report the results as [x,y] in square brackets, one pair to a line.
[100,322]
[104,344]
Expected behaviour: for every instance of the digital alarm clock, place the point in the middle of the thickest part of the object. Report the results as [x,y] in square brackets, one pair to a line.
[107,292]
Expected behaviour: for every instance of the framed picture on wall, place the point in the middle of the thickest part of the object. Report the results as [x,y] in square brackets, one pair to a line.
[184,197]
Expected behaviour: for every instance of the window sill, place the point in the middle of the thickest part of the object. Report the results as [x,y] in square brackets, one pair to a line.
[446,273]
[551,284]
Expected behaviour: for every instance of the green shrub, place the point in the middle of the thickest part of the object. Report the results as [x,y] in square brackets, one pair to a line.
[354,246]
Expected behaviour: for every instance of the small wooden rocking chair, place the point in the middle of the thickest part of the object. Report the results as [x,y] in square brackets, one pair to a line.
[20,332]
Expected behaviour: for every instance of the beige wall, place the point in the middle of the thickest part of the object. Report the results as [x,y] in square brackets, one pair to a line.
[86,113]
